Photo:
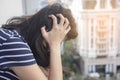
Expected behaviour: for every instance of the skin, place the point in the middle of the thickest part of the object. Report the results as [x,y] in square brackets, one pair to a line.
[54,39]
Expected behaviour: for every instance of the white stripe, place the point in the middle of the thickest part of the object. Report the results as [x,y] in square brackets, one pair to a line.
[5,78]
[3,38]
[14,37]
[12,74]
[11,62]
[10,43]
[8,73]
[10,31]
[15,49]
[5,32]
[17,33]
[15,43]
[21,55]
[2,71]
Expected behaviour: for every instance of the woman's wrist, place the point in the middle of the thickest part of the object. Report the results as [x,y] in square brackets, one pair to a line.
[54,47]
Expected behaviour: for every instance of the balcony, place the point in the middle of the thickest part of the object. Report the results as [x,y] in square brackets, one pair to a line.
[102,29]
[102,55]
[101,41]
[102,52]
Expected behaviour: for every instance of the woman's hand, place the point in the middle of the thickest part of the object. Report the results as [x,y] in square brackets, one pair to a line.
[58,32]
[54,38]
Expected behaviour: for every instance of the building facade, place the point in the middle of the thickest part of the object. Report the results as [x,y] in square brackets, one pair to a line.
[98,42]
[99,36]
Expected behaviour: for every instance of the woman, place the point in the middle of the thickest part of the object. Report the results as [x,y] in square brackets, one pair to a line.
[27,43]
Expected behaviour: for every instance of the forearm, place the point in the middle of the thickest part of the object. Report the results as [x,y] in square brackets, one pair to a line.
[55,63]
[54,38]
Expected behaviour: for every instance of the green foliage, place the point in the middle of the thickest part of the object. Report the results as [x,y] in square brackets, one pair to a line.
[91,78]
[67,62]
[68,47]
[118,71]
[112,78]
[102,76]
[68,67]
[78,77]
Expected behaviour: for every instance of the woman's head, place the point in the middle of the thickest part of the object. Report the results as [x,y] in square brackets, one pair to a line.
[29,28]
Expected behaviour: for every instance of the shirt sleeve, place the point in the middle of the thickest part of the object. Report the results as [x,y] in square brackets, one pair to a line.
[15,52]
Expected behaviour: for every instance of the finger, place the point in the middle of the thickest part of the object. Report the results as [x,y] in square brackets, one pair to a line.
[62,19]
[68,29]
[66,23]
[43,31]
[54,20]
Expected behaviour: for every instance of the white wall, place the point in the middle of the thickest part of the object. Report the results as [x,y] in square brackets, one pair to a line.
[10,8]
[32,6]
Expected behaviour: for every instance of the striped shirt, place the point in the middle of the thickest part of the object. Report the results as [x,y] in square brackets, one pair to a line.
[14,51]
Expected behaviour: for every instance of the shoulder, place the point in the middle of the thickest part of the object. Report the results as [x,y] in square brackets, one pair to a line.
[6,35]
[11,39]
[14,51]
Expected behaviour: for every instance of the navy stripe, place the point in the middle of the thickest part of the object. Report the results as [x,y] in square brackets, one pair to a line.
[16,59]
[14,51]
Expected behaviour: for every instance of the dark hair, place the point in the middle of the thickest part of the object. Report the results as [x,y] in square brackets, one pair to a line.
[29,28]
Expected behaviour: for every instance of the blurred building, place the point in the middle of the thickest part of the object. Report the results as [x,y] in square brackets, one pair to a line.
[99,36]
